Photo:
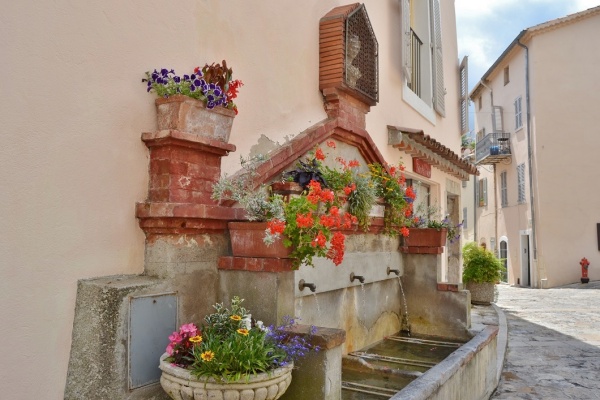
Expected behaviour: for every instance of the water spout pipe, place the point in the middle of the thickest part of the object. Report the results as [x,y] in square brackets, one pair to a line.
[396,271]
[311,286]
[359,277]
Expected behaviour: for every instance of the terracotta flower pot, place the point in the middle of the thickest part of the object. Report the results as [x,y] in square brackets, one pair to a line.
[185,114]
[180,384]
[247,241]
[426,237]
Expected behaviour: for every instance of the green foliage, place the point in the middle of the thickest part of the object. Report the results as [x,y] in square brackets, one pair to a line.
[259,206]
[361,195]
[389,186]
[480,265]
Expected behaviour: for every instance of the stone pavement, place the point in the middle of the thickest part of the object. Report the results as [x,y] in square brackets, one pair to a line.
[553,347]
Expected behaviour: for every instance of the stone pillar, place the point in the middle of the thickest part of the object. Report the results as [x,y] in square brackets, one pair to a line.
[318,376]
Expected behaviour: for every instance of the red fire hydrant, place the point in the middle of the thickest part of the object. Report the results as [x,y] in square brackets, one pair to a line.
[584,270]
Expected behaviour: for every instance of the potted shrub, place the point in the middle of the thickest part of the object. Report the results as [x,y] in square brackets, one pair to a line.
[230,356]
[200,103]
[481,271]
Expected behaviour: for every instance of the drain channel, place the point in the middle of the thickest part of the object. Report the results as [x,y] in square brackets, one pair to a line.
[424,341]
[395,360]
[375,390]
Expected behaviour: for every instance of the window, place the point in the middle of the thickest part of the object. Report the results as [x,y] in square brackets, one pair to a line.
[518,113]
[422,61]
[521,182]
[479,101]
[506,76]
[464,221]
[504,259]
[482,192]
[503,190]
[422,192]
[464,96]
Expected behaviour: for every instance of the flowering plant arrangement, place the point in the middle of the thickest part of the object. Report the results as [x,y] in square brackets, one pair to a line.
[429,217]
[334,199]
[390,186]
[213,84]
[230,345]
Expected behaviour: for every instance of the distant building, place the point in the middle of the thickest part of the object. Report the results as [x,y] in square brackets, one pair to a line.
[537,123]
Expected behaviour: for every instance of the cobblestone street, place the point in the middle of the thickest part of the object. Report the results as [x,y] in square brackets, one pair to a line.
[553,342]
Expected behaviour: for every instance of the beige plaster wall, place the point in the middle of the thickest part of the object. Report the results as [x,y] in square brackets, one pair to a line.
[565,120]
[73,109]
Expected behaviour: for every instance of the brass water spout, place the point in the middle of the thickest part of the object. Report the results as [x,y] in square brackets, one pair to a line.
[360,278]
[311,286]
[396,271]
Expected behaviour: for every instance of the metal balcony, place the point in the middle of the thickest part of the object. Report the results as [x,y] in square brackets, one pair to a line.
[493,148]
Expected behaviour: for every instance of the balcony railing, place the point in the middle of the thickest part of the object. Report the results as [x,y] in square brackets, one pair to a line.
[415,61]
[493,148]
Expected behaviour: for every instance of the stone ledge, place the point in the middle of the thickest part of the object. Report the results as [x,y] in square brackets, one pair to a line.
[325,338]
[421,250]
[255,264]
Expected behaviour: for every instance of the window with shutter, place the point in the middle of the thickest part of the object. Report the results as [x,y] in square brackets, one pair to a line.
[521,182]
[482,192]
[497,119]
[518,113]
[439,91]
[503,190]
[422,62]
[406,38]
[464,95]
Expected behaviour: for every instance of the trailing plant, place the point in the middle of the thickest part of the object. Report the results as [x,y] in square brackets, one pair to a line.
[257,202]
[480,265]
[389,185]
[229,346]
[212,84]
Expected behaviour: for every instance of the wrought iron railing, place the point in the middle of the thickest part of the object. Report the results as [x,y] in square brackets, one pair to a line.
[415,63]
[492,148]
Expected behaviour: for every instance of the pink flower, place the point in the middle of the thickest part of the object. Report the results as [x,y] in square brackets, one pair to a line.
[189,328]
[170,349]
[176,337]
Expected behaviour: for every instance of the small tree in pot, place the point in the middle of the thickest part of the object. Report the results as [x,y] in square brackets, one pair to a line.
[482,270]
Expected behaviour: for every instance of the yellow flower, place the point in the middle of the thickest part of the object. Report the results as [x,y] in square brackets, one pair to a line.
[207,355]
[196,339]
[243,331]
[236,317]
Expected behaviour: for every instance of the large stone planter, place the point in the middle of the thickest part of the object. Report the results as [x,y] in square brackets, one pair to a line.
[182,113]
[247,241]
[180,384]
[481,293]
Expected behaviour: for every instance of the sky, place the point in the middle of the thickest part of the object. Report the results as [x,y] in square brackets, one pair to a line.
[485,28]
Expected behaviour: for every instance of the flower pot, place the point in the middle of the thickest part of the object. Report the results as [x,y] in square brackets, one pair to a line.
[180,384]
[247,241]
[426,237]
[185,114]
[481,293]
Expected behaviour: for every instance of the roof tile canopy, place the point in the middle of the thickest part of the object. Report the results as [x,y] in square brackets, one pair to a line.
[419,145]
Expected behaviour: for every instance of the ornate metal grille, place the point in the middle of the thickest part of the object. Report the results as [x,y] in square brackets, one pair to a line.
[361,66]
